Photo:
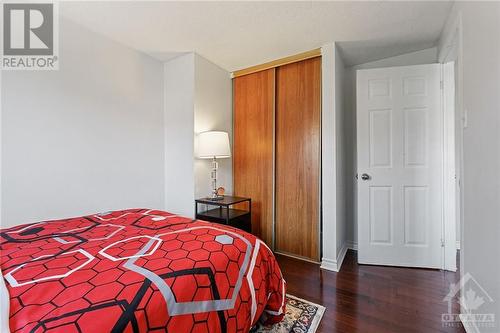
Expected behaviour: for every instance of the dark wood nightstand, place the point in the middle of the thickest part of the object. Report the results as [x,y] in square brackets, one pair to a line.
[224,213]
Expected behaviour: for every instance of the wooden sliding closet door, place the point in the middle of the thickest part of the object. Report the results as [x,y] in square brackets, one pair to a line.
[253,147]
[298,108]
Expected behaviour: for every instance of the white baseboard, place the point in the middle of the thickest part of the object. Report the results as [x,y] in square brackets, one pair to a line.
[334,265]
[329,265]
[458,245]
[341,256]
[352,245]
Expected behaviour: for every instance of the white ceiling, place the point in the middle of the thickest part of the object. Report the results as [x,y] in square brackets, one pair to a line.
[237,35]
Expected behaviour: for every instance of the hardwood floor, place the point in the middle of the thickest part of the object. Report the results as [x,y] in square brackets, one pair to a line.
[364,298]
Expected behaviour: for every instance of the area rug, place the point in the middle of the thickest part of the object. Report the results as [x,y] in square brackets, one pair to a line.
[301,317]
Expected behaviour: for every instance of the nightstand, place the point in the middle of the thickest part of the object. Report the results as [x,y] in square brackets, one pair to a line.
[224,213]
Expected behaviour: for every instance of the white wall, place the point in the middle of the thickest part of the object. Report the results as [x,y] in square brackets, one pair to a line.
[112,129]
[328,160]
[85,138]
[333,159]
[197,98]
[179,135]
[421,57]
[212,111]
[340,156]
[478,84]
[426,56]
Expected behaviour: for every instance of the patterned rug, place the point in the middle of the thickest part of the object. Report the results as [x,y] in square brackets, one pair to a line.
[301,317]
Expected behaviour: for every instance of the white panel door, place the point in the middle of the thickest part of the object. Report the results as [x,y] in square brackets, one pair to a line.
[400,161]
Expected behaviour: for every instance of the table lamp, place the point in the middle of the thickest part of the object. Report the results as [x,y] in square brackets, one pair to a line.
[214,145]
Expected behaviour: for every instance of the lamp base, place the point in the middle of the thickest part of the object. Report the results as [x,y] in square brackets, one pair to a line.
[215,196]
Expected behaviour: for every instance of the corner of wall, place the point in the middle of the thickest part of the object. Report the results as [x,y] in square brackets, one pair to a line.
[197,98]
[424,56]
[342,165]
[335,264]
[179,89]
[212,111]
[453,22]
[328,142]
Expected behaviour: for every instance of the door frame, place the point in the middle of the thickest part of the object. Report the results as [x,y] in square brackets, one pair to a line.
[451,51]
[450,177]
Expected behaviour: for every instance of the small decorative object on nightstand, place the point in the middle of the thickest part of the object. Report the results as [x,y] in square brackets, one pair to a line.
[225,214]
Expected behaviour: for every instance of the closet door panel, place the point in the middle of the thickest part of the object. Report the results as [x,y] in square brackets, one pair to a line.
[253,147]
[298,109]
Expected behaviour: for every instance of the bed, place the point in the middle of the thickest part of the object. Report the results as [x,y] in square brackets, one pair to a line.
[137,270]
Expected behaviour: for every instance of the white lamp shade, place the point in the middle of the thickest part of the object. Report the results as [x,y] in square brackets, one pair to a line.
[213,144]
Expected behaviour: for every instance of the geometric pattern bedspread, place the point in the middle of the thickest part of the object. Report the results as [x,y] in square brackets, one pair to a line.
[138,270]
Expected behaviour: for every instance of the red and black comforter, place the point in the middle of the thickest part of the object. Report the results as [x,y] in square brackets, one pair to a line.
[138,271]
